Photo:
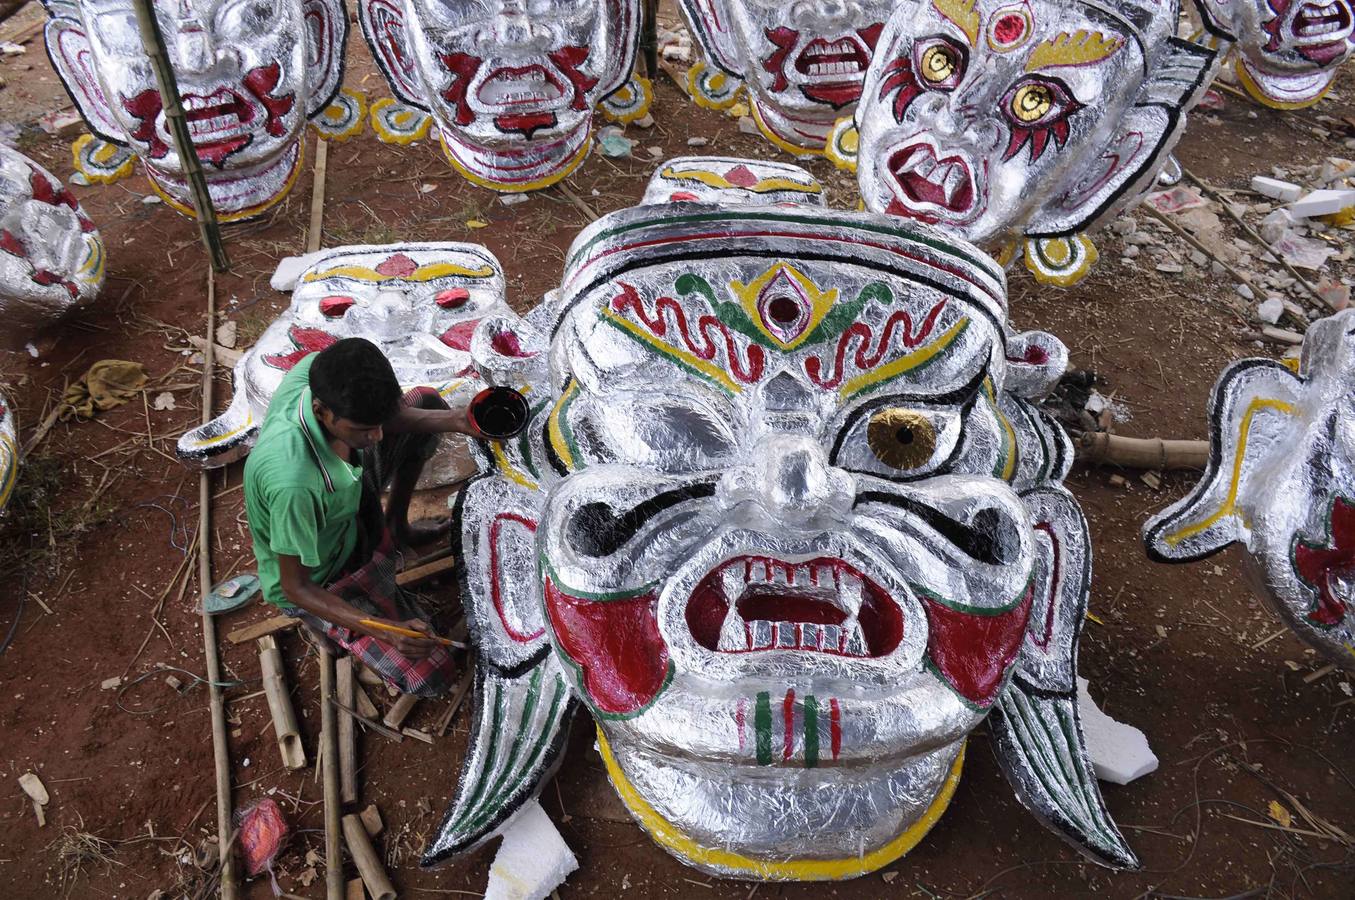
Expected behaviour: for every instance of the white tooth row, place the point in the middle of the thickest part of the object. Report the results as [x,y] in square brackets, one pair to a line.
[203,127]
[805,574]
[1321,29]
[834,68]
[195,102]
[950,177]
[846,639]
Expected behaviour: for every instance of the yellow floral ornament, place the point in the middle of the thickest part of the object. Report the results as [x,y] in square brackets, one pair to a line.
[1060,261]
[396,123]
[711,88]
[843,143]
[101,162]
[630,102]
[343,118]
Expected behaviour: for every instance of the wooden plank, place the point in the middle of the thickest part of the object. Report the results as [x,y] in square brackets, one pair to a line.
[348,738]
[425,572]
[262,628]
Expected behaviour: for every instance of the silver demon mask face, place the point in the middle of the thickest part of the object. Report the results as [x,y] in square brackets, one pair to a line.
[803,63]
[51,257]
[998,120]
[1285,52]
[250,72]
[9,452]
[419,303]
[785,524]
[511,84]
[1281,482]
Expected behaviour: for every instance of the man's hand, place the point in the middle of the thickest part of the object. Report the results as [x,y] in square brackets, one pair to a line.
[413,647]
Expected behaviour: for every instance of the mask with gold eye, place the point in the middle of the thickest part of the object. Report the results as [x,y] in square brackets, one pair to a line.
[1038,110]
[940,63]
[900,442]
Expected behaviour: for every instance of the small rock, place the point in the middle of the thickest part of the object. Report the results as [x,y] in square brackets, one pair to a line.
[656,152]
[1171,268]
[427,188]
[151,200]
[646,121]
[1244,292]
[1270,310]
[747,125]
[1131,251]
[226,334]
[697,142]
[1217,269]
[1118,481]
[1124,225]
[1199,258]
[1140,239]
[512,199]
[163,400]
[1151,479]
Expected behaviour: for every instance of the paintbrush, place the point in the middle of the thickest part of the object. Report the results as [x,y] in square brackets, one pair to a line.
[410,632]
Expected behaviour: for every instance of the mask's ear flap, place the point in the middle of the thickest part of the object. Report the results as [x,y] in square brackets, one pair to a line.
[1138,148]
[384,27]
[326,25]
[1251,415]
[73,59]
[844,142]
[712,24]
[1037,734]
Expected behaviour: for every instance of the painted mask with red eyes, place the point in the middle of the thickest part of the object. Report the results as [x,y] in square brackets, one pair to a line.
[999,120]
[786,522]
[511,85]
[250,74]
[1285,52]
[802,63]
[51,257]
[418,302]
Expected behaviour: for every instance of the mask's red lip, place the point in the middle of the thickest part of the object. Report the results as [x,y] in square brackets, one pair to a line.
[1325,28]
[751,604]
[835,70]
[923,178]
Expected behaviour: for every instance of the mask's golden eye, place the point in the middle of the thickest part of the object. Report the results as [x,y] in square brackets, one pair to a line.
[901,438]
[939,63]
[1031,102]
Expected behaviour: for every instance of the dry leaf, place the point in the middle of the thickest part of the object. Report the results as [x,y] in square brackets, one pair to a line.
[476,223]
[34,788]
[1280,814]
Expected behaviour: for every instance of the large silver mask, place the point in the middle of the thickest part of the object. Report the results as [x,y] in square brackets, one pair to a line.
[418,302]
[802,63]
[510,84]
[9,452]
[250,74]
[1285,52]
[1281,482]
[51,257]
[1019,125]
[788,524]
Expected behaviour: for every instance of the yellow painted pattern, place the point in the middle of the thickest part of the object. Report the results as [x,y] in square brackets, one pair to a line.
[626,96]
[716,180]
[515,188]
[1010,451]
[92,267]
[782,142]
[100,155]
[400,119]
[717,82]
[820,301]
[335,113]
[715,373]
[555,432]
[843,144]
[1229,505]
[964,16]
[669,836]
[918,357]
[426,272]
[1077,49]
[9,453]
[222,438]
[510,471]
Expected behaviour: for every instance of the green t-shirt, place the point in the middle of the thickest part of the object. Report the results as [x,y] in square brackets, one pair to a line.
[301,499]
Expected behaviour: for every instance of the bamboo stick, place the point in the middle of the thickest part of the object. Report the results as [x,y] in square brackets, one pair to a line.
[315,231]
[153,42]
[364,857]
[348,738]
[280,704]
[334,881]
[220,750]
[399,711]
[1141,453]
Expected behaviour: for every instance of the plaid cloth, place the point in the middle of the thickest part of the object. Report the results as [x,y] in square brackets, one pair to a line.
[369,580]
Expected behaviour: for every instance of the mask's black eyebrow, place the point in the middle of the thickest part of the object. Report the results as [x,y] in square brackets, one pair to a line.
[981,539]
[595,529]
[962,396]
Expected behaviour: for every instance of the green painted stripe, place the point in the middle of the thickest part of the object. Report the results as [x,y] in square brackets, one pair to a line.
[494,703]
[762,723]
[811,731]
[686,367]
[630,594]
[976,610]
[528,707]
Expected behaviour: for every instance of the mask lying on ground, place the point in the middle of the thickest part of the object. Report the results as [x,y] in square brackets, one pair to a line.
[1021,125]
[802,63]
[250,74]
[1285,52]
[418,302]
[9,452]
[510,86]
[51,257]
[1281,482]
[787,522]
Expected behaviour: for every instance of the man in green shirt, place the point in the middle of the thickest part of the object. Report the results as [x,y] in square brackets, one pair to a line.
[339,431]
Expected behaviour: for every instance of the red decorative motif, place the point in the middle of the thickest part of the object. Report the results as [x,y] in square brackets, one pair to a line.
[458,336]
[973,652]
[397,266]
[616,644]
[462,67]
[864,358]
[783,39]
[569,59]
[306,341]
[496,577]
[710,330]
[1318,565]
[898,76]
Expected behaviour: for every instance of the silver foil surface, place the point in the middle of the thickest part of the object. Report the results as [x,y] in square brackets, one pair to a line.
[1281,483]
[9,451]
[787,523]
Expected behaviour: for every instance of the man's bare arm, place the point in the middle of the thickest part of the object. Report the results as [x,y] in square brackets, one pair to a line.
[431,421]
[311,597]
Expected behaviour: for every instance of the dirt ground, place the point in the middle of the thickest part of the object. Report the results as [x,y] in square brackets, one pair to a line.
[91,548]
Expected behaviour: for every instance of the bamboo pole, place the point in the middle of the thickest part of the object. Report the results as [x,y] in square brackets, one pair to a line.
[334,881]
[649,38]
[364,857]
[280,704]
[153,42]
[220,750]
[1141,453]
[348,738]
[315,231]
[399,711]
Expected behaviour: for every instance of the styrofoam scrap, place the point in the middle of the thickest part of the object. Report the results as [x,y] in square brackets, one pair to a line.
[1321,203]
[290,268]
[1119,752]
[1276,189]
[533,859]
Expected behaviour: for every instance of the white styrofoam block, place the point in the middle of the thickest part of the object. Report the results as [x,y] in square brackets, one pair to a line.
[533,859]
[290,268]
[1119,752]
[1321,203]
[1276,189]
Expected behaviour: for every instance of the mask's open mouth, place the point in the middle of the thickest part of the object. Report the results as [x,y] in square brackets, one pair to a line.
[218,122]
[833,70]
[511,88]
[751,604]
[1321,31]
[946,183]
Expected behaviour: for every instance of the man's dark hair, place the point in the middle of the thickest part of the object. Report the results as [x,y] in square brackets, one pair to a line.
[355,380]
